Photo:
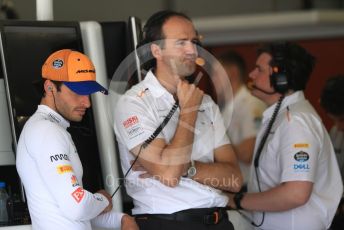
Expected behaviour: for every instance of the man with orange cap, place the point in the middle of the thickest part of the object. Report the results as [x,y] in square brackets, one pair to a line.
[47,160]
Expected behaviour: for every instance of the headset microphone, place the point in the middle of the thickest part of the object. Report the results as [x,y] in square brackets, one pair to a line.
[200,61]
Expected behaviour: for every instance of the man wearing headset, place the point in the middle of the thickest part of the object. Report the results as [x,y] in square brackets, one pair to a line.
[47,160]
[332,100]
[190,159]
[295,182]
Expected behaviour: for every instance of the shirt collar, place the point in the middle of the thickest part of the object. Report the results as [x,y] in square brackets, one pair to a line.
[154,86]
[241,93]
[288,100]
[53,116]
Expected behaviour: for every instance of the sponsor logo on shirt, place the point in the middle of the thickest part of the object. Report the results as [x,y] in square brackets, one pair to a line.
[301,156]
[130,121]
[133,127]
[53,118]
[98,197]
[301,145]
[302,165]
[61,169]
[74,181]
[142,92]
[78,194]
[58,157]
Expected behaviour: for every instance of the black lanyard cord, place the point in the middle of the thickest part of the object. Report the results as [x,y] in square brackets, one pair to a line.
[148,141]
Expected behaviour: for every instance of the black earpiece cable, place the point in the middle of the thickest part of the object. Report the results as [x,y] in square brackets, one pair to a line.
[148,141]
[267,132]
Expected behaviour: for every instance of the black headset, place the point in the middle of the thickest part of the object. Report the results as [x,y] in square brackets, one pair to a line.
[279,79]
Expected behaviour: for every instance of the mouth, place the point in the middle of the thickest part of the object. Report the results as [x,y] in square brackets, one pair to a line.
[250,85]
[191,59]
[81,112]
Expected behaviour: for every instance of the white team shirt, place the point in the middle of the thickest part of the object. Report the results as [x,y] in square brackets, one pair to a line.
[139,112]
[337,138]
[243,116]
[298,149]
[243,121]
[50,169]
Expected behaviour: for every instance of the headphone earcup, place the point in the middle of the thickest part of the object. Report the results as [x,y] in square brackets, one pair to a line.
[279,76]
[279,80]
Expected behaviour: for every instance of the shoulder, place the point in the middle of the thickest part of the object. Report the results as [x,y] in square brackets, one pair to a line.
[38,131]
[133,95]
[303,110]
[208,100]
[301,116]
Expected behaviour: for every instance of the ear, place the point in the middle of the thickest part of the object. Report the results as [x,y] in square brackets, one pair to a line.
[156,51]
[48,86]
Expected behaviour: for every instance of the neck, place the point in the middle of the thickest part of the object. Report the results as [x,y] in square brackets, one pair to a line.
[167,80]
[236,85]
[48,102]
[274,98]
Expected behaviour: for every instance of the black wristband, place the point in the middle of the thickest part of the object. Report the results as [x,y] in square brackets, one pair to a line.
[237,199]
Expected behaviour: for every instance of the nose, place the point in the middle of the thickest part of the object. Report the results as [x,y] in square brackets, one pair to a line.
[85,100]
[251,75]
[191,48]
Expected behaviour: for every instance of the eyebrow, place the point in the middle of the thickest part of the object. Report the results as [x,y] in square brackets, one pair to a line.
[260,67]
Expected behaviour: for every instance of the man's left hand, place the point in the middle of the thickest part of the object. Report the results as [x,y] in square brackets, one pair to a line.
[138,167]
[231,202]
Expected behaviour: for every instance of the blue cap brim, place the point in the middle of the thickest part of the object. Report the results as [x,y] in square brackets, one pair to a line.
[85,87]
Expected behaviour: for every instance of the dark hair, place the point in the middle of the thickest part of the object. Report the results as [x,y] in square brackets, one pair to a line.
[232,57]
[152,32]
[332,96]
[298,62]
[39,86]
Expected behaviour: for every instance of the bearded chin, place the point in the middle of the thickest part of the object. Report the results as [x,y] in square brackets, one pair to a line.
[187,70]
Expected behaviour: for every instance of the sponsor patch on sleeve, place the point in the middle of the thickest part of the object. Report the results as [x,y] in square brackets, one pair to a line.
[98,197]
[132,126]
[301,164]
[59,157]
[74,181]
[301,156]
[78,194]
[61,169]
[301,145]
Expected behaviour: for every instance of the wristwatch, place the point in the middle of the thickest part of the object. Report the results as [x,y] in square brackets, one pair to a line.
[192,170]
[237,199]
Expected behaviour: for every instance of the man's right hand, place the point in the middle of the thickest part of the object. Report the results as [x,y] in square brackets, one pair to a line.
[128,223]
[108,196]
[189,96]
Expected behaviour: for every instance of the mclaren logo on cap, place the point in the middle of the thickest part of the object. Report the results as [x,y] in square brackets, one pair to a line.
[86,71]
[57,63]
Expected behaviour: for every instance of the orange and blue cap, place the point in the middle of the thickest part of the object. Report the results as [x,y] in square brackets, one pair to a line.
[74,69]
